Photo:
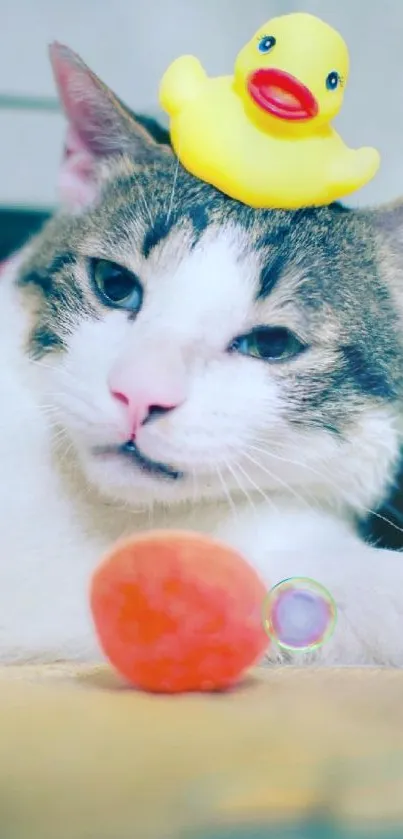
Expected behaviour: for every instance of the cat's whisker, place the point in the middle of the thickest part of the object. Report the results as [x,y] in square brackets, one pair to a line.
[57,429]
[64,453]
[79,389]
[92,415]
[59,370]
[49,410]
[257,488]
[294,462]
[227,493]
[71,379]
[57,439]
[325,478]
[37,362]
[278,480]
[231,468]
[54,422]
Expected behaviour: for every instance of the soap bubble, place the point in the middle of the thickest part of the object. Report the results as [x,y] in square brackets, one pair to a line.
[299,614]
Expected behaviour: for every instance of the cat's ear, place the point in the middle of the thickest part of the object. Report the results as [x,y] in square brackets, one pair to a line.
[99,125]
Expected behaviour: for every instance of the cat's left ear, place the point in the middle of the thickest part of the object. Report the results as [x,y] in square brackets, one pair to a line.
[99,126]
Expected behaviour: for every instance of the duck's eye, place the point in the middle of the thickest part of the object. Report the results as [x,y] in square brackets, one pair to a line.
[332,80]
[269,343]
[266,43]
[116,285]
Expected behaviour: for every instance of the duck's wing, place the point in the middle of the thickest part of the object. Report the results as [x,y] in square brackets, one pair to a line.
[353,169]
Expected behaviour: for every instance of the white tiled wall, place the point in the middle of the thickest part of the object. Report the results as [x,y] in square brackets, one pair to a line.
[129,44]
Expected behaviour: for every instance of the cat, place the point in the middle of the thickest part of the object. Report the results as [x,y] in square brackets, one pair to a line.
[173,358]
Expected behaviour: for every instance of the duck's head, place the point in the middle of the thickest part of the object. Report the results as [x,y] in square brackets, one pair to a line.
[294,70]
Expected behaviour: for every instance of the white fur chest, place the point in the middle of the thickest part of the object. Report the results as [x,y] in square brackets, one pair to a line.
[48,550]
[46,554]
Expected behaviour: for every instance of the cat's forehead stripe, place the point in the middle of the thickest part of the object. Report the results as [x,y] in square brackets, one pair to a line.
[274,267]
[165,223]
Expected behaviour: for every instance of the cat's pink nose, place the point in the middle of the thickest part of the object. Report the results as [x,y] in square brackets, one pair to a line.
[146,391]
[141,408]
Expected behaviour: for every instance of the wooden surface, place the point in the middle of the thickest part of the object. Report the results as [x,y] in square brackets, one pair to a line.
[83,757]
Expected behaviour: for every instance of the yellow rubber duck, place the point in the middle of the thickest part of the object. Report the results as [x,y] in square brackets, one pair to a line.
[263,136]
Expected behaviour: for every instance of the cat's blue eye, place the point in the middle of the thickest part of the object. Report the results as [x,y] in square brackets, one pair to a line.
[117,286]
[266,43]
[269,343]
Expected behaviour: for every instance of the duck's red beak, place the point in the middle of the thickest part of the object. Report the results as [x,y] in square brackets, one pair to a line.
[282,95]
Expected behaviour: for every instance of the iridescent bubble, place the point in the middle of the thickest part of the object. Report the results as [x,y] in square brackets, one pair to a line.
[299,614]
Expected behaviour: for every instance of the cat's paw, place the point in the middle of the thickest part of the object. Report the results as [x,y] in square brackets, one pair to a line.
[277,656]
[367,587]
[365,583]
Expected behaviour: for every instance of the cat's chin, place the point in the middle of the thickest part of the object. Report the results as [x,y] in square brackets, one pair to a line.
[134,479]
[124,481]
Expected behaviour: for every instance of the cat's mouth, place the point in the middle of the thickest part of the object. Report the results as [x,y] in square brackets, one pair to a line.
[130,451]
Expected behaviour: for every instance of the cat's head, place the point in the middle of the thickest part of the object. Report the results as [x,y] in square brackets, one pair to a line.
[193,347]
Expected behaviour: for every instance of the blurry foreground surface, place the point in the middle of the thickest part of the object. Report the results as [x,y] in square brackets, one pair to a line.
[291,754]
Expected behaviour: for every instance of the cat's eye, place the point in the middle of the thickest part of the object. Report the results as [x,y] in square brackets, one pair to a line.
[117,286]
[269,343]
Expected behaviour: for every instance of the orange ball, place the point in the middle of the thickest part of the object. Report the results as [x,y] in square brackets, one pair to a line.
[177,611]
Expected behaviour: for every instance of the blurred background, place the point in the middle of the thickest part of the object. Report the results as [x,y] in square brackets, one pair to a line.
[129,43]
